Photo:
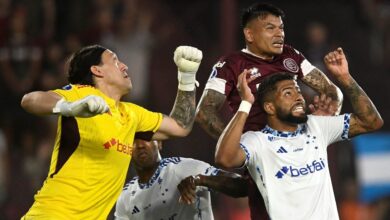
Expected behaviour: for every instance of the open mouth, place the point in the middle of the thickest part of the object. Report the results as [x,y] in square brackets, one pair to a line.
[278,43]
[299,108]
[125,75]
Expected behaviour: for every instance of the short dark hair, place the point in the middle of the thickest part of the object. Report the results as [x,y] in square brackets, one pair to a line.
[259,9]
[79,64]
[268,85]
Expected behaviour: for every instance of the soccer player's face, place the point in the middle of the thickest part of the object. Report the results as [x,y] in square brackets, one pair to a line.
[115,72]
[265,35]
[145,153]
[289,102]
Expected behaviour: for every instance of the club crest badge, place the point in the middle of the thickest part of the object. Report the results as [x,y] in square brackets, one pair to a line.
[290,65]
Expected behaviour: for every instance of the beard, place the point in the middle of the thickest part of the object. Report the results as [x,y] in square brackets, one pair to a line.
[290,118]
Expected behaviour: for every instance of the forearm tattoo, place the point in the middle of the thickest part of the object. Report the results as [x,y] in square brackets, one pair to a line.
[184,108]
[365,112]
[318,81]
[208,115]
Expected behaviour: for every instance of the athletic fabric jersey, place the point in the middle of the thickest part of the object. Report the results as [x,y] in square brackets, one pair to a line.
[224,78]
[90,159]
[225,73]
[291,168]
[159,198]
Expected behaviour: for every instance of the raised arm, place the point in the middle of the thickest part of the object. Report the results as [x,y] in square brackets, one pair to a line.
[207,112]
[318,81]
[181,119]
[229,153]
[231,184]
[39,102]
[365,117]
[45,103]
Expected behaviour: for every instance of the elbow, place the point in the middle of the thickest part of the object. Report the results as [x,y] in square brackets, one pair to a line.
[25,102]
[378,124]
[223,161]
[184,132]
[373,125]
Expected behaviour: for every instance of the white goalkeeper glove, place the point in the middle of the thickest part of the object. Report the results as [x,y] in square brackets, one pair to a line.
[187,60]
[86,107]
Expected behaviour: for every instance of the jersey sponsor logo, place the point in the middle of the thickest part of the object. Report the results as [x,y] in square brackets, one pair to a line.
[298,149]
[255,72]
[219,64]
[281,150]
[290,65]
[135,210]
[308,169]
[67,87]
[214,72]
[120,147]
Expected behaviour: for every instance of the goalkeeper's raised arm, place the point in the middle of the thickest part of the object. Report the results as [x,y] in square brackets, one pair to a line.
[43,103]
[96,130]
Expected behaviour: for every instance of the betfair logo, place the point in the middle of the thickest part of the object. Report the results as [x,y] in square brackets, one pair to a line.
[120,147]
[307,169]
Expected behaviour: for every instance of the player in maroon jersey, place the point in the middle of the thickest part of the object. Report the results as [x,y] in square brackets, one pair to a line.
[265,53]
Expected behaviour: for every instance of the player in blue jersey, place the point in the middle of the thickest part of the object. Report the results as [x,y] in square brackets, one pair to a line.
[172,188]
[288,158]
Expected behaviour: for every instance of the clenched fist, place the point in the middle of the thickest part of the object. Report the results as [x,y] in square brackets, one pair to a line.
[187,60]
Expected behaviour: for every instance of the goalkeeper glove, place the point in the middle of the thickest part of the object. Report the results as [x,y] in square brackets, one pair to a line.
[86,107]
[187,60]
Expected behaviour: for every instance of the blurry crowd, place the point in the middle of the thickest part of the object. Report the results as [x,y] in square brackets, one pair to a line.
[37,37]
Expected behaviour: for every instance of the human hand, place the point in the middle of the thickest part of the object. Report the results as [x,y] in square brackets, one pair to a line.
[337,63]
[187,189]
[187,60]
[243,88]
[323,106]
[86,107]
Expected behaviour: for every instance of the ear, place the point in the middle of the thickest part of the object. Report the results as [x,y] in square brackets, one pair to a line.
[96,71]
[248,34]
[269,108]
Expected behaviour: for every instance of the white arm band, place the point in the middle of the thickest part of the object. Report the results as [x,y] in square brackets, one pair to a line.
[245,106]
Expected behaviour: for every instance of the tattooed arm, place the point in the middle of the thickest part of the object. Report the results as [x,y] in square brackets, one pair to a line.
[182,117]
[365,117]
[318,81]
[179,123]
[207,113]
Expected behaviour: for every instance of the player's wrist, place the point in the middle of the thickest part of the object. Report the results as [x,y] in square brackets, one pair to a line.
[198,180]
[187,81]
[245,106]
[61,107]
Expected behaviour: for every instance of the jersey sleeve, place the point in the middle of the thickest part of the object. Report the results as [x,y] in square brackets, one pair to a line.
[191,167]
[147,120]
[248,144]
[222,77]
[331,128]
[120,208]
[69,93]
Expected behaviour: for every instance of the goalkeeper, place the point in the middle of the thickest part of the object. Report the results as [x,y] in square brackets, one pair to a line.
[95,133]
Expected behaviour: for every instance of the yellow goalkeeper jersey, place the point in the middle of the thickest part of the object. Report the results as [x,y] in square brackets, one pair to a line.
[90,159]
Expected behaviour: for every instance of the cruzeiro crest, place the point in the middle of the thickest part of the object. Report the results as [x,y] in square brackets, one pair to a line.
[291,65]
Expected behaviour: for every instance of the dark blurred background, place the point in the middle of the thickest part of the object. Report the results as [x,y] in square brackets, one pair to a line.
[36,38]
